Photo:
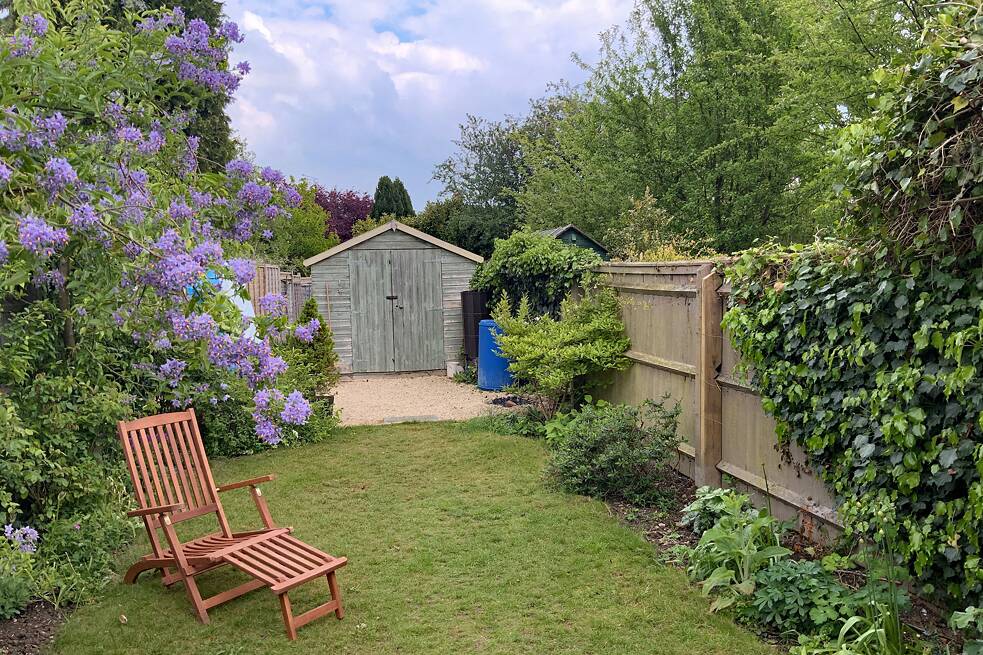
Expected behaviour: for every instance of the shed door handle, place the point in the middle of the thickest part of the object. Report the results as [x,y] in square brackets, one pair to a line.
[392,297]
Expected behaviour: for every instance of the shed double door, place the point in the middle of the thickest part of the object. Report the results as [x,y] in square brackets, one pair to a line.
[397,311]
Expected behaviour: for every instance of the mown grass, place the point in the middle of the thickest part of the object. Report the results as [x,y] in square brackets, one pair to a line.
[455,546]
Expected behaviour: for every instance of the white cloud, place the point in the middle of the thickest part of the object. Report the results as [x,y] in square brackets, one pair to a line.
[347,90]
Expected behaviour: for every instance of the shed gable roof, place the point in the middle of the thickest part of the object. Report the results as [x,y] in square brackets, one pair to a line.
[397,226]
[557,232]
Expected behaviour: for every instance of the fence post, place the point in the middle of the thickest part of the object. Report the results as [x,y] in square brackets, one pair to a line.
[708,451]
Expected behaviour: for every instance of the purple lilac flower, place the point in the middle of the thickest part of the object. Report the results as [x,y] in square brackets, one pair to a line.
[5,173]
[243,269]
[84,217]
[26,537]
[39,237]
[305,332]
[296,409]
[172,370]
[271,175]
[267,234]
[4,252]
[239,168]
[60,174]
[176,269]
[21,45]
[267,431]
[200,199]
[207,251]
[274,304]
[252,193]
[53,278]
[179,210]
[264,398]
[129,133]
[243,67]
[36,24]
[190,161]
[50,128]
[153,143]
[272,211]
[230,31]
[291,196]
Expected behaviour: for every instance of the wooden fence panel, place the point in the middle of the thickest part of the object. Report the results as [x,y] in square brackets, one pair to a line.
[270,279]
[672,313]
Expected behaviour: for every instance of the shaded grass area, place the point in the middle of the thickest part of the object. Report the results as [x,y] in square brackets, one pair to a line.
[455,546]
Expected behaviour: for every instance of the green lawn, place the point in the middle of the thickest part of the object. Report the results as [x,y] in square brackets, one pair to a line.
[454,546]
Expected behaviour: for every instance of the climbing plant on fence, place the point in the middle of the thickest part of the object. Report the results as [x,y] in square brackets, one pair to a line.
[868,352]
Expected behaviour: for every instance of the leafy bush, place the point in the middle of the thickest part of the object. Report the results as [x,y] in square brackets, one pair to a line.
[801,597]
[525,422]
[227,424]
[537,267]
[730,554]
[613,451]
[16,572]
[559,361]
[970,623]
[708,506]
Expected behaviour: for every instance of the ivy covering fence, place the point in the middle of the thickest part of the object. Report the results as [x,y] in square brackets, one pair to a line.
[867,350]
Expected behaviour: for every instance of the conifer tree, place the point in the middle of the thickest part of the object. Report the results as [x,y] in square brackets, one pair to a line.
[384,201]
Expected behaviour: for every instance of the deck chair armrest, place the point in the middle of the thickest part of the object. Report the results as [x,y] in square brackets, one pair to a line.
[246,483]
[157,509]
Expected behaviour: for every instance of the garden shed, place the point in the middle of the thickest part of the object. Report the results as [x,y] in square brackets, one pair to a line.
[392,297]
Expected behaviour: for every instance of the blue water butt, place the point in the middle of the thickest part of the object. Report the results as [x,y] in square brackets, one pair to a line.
[493,368]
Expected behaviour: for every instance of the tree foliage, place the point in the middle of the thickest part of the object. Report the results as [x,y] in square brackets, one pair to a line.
[538,268]
[299,234]
[391,197]
[344,209]
[723,110]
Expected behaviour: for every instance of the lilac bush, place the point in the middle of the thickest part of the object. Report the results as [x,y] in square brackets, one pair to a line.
[115,248]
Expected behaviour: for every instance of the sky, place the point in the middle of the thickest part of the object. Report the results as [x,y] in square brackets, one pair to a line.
[345,91]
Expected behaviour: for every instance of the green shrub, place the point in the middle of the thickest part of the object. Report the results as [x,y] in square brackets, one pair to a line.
[800,597]
[16,590]
[730,554]
[534,266]
[559,361]
[613,451]
[707,508]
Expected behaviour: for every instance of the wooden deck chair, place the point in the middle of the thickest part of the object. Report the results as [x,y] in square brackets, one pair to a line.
[173,482]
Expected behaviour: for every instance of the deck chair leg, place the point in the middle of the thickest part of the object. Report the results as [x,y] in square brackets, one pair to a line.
[195,596]
[336,595]
[288,617]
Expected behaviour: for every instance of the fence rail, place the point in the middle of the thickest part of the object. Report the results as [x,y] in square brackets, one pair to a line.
[270,279]
[672,313]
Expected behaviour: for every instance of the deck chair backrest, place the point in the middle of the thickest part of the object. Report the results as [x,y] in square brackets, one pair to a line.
[167,463]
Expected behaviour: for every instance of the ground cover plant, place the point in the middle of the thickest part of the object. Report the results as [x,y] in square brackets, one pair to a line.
[455,545]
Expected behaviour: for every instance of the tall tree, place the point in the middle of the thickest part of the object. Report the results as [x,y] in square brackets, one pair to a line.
[344,208]
[725,110]
[402,199]
[386,199]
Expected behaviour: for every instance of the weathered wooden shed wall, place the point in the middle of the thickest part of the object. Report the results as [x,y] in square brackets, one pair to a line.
[332,288]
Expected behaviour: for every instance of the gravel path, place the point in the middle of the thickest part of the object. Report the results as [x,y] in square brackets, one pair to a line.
[394,398]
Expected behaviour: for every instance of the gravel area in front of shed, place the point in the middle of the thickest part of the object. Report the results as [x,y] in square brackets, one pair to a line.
[367,399]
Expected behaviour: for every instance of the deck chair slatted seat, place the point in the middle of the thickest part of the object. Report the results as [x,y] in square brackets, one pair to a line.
[173,482]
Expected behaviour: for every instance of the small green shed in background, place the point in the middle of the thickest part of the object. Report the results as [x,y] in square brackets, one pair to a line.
[576,237]
[392,297]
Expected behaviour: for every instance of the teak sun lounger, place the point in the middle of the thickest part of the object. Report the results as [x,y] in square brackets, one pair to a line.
[173,483]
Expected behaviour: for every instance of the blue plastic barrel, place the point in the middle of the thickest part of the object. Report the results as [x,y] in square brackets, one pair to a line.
[493,368]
